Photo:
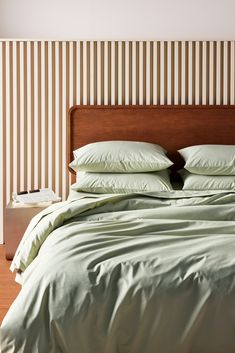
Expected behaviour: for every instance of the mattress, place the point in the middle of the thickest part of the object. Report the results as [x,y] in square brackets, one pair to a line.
[127,273]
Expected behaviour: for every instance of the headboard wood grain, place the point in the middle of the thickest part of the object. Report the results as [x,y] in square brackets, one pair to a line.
[172,127]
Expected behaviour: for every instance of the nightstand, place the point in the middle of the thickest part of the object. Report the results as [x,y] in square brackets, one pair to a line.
[17,219]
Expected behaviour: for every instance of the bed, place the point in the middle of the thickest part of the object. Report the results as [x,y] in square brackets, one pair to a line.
[136,272]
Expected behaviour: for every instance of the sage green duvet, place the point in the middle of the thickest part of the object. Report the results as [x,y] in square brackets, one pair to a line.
[134,273]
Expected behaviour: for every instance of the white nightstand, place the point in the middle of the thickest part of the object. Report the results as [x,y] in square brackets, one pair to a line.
[17,219]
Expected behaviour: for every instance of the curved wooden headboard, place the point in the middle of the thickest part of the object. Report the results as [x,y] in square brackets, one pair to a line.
[172,127]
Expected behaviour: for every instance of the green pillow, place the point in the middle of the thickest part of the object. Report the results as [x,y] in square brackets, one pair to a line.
[120,157]
[209,159]
[122,183]
[205,182]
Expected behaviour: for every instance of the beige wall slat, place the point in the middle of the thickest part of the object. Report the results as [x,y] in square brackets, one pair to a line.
[50,115]
[204,73]
[88,53]
[127,73]
[211,73]
[106,72]
[99,73]
[15,123]
[176,73]
[43,117]
[134,73]
[8,125]
[169,71]
[57,116]
[64,113]
[148,73]
[225,73]
[155,78]
[183,73]
[36,117]
[141,74]
[1,145]
[113,62]
[78,76]
[162,73]
[92,73]
[232,73]
[190,73]
[119,68]
[71,75]
[84,65]
[120,73]
[197,73]
[218,73]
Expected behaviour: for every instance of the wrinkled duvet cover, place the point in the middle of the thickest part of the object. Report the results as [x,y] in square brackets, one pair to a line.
[136,273]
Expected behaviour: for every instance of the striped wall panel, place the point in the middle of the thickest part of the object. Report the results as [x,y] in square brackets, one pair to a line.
[39,81]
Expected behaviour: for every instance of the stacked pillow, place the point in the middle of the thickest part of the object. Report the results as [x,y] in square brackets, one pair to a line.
[121,167]
[209,167]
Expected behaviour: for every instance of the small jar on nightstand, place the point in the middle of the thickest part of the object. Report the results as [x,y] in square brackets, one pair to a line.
[17,219]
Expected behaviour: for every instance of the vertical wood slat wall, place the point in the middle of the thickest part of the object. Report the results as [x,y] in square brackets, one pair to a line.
[40,80]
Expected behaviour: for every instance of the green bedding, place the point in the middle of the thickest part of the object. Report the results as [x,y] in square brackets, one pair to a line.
[136,273]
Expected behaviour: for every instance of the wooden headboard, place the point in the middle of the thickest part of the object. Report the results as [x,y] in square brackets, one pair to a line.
[172,127]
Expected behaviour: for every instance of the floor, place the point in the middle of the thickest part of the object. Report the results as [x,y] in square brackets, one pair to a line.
[8,287]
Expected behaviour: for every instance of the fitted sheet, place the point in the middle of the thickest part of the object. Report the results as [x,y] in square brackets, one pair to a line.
[127,273]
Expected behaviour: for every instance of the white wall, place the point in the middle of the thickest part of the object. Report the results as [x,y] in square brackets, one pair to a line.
[118,19]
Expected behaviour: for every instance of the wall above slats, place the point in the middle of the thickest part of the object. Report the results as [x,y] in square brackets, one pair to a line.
[39,81]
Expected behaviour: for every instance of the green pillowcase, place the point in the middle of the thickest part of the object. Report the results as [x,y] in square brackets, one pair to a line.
[102,183]
[209,159]
[120,157]
[205,182]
